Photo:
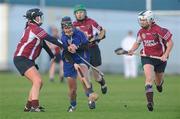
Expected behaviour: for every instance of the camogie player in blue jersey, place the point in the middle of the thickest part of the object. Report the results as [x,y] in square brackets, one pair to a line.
[75,44]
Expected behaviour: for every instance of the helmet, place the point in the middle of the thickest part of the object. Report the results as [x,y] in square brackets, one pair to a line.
[66,22]
[146,15]
[79,7]
[31,14]
[82,14]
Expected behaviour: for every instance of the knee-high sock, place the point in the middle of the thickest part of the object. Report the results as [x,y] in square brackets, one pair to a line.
[149,93]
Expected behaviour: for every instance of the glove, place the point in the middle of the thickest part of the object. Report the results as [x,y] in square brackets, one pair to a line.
[98,37]
[94,39]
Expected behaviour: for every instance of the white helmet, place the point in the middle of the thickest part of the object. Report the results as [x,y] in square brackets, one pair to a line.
[146,15]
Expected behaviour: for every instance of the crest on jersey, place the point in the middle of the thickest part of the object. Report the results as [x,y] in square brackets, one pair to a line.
[143,35]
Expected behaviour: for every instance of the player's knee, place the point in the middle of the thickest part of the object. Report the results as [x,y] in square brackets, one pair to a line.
[148,88]
[38,82]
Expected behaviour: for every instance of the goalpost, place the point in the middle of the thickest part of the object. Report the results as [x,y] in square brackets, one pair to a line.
[162,12]
[3,37]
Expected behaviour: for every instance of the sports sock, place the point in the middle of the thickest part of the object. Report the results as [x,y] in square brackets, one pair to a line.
[73,103]
[28,104]
[87,94]
[149,93]
[35,103]
[89,91]
[149,96]
[160,83]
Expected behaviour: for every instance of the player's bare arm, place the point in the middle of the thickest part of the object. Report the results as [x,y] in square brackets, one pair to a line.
[168,50]
[134,48]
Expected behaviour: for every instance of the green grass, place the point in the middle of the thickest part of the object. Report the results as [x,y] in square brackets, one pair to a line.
[14,90]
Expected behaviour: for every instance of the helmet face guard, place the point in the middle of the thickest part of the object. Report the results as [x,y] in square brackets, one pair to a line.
[66,22]
[145,16]
[67,26]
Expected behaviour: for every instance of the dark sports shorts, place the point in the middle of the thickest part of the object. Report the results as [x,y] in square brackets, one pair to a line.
[58,58]
[159,66]
[95,56]
[23,64]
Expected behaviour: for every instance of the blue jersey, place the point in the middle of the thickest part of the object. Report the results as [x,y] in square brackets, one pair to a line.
[78,38]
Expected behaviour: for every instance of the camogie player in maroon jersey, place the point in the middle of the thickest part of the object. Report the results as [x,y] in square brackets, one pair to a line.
[157,41]
[95,33]
[28,50]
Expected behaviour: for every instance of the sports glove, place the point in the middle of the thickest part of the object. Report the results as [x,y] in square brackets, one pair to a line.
[98,37]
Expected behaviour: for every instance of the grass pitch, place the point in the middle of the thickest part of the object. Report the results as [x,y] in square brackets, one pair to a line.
[125,99]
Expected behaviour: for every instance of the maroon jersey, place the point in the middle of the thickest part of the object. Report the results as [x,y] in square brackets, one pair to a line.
[29,45]
[87,26]
[154,40]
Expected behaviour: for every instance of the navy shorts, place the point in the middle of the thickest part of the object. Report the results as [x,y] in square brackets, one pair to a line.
[95,56]
[69,70]
[23,64]
[58,58]
[159,66]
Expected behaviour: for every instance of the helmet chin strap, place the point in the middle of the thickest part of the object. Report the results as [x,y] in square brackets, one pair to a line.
[80,20]
[146,27]
[39,23]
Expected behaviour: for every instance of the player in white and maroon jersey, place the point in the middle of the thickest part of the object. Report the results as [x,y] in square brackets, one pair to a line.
[28,50]
[95,33]
[157,41]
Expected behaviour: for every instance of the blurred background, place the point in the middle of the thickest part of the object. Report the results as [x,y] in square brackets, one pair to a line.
[116,16]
